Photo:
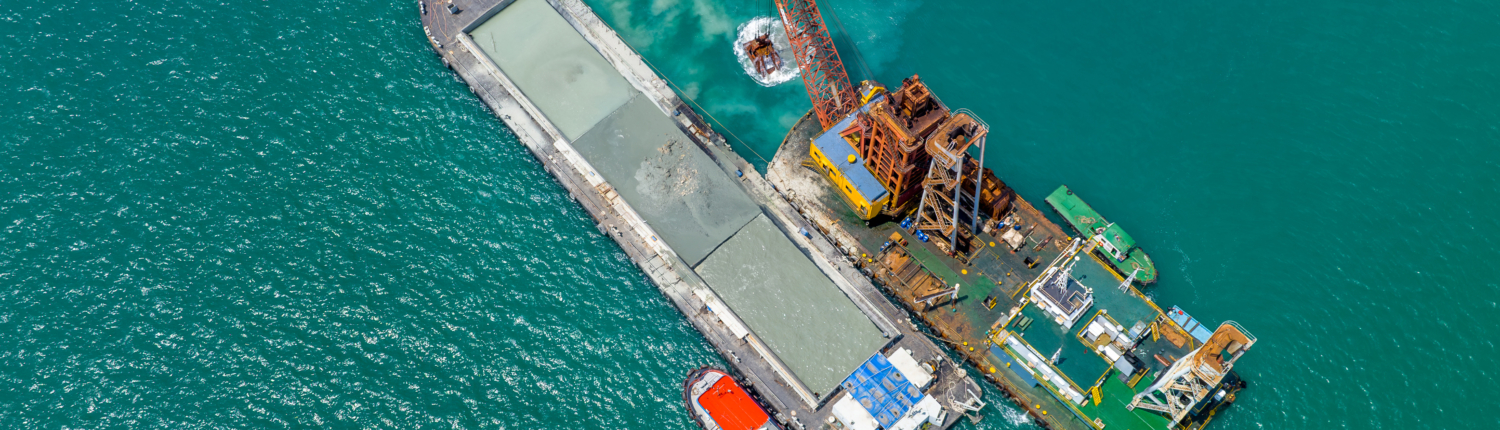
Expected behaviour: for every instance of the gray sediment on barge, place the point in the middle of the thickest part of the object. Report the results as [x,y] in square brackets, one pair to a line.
[697,218]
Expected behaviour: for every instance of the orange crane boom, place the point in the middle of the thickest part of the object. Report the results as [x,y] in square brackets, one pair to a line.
[822,71]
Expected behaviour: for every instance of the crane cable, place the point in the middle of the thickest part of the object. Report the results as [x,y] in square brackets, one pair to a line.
[683,94]
[858,58]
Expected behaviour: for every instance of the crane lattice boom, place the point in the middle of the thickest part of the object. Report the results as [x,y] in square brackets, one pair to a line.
[822,71]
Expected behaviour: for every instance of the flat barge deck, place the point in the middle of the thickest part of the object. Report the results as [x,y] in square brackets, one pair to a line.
[808,333]
[1065,335]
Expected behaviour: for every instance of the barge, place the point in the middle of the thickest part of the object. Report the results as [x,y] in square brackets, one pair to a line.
[783,305]
[808,300]
[1068,335]
[1064,333]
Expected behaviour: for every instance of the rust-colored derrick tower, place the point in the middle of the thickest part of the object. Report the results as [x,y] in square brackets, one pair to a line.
[889,135]
[822,72]
[950,208]
[891,130]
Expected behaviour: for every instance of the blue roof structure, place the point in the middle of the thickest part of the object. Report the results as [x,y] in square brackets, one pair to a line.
[882,390]
[1188,323]
[838,151]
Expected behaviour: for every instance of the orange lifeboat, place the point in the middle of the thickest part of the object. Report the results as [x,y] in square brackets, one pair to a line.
[717,402]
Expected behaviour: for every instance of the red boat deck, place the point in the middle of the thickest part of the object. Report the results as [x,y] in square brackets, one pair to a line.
[731,408]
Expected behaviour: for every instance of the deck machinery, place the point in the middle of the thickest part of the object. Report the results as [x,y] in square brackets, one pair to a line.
[822,71]
[947,208]
[1155,371]
[1195,377]
[914,145]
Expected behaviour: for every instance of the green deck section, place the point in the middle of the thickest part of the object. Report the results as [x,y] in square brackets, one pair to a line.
[1087,222]
[1077,213]
[1114,398]
[1125,307]
[1009,269]
[1020,361]
[1034,397]
[931,260]
[1118,237]
[1076,361]
[997,272]
[1138,259]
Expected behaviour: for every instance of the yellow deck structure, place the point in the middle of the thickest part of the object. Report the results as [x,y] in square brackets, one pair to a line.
[839,162]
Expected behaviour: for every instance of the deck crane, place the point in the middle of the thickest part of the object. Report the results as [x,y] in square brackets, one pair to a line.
[893,133]
[887,133]
[822,71]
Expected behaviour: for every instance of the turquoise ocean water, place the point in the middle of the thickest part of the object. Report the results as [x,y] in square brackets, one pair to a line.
[271,213]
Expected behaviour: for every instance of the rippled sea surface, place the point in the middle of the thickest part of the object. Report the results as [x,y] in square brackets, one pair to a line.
[270,214]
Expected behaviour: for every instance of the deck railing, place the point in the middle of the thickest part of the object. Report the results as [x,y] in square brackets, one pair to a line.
[1242,330]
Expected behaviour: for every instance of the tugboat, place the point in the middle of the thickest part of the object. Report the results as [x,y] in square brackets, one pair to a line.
[763,54]
[1111,241]
[717,402]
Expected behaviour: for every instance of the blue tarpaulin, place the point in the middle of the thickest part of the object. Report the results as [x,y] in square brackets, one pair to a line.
[882,390]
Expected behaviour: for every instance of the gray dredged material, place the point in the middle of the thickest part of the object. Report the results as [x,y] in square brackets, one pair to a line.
[791,305]
[686,198]
[553,65]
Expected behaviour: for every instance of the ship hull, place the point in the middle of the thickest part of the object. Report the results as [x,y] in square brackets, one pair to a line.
[717,402]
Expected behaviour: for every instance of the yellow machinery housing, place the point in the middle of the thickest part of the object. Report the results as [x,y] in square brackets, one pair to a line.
[838,161]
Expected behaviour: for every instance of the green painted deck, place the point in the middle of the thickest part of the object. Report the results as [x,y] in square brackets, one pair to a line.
[1126,307]
[998,273]
[1139,259]
[1077,361]
[1077,213]
[1114,397]
[1020,360]
[933,262]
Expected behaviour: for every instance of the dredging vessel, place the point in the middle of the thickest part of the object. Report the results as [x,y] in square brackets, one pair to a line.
[1057,322]
[791,315]
[874,197]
